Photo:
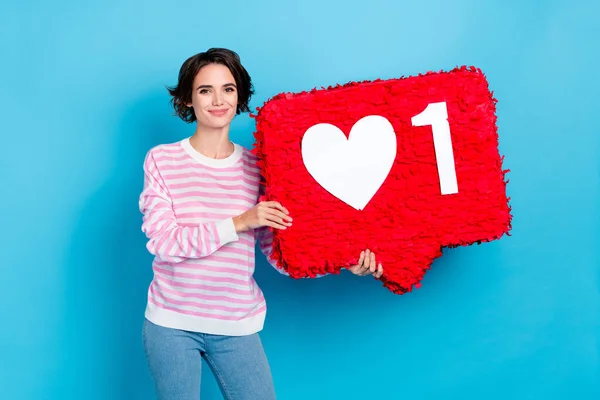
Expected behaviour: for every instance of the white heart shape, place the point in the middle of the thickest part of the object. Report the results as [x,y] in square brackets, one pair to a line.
[354,168]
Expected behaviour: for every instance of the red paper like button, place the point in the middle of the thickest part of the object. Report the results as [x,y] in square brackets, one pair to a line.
[402,167]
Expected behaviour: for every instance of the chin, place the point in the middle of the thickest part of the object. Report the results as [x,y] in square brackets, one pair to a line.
[221,123]
[219,126]
[216,123]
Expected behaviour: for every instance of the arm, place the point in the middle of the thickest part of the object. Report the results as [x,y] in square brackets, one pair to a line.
[168,240]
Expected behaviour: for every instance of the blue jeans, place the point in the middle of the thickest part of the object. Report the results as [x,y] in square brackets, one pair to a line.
[175,357]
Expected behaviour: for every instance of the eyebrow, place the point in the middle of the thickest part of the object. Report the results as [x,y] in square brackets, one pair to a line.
[210,86]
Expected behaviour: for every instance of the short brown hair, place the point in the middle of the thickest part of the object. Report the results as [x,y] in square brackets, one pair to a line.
[182,93]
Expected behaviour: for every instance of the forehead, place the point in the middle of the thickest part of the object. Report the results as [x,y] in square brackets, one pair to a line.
[214,74]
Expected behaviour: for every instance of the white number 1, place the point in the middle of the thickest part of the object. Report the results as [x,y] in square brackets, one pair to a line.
[436,115]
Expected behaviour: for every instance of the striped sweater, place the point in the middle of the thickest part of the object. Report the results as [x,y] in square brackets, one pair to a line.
[203,270]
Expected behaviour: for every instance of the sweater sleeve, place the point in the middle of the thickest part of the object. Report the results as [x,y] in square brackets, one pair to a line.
[168,240]
[265,240]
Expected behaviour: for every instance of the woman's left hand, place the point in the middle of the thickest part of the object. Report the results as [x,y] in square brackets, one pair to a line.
[367,265]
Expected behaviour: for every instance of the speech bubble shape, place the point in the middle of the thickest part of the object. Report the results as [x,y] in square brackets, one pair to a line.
[445,188]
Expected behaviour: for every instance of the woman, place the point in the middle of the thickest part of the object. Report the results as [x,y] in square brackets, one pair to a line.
[201,219]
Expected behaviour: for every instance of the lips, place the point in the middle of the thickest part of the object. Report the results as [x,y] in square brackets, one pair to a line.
[218,113]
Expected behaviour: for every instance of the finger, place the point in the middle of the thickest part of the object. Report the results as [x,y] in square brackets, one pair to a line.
[279,214]
[275,225]
[278,221]
[379,272]
[366,263]
[274,216]
[373,265]
[272,221]
[277,205]
[361,259]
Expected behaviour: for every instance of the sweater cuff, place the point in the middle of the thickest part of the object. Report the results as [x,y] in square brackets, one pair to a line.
[226,231]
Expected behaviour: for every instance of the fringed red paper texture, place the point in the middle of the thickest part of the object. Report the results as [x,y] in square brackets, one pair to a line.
[408,221]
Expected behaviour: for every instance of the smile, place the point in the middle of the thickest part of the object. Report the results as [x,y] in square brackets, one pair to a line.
[218,113]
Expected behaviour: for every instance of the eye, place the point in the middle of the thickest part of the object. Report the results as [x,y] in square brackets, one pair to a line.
[229,89]
[203,91]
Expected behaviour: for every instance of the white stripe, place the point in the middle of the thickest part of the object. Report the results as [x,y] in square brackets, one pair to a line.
[222,185]
[248,192]
[178,175]
[218,288]
[229,301]
[191,210]
[177,276]
[206,199]
[208,310]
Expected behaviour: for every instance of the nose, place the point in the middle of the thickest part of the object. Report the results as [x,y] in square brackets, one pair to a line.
[217,100]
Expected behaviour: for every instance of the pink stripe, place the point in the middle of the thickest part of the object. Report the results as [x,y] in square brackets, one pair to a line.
[195,181]
[248,196]
[217,307]
[172,149]
[172,157]
[206,278]
[248,163]
[204,215]
[224,206]
[207,315]
[159,294]
[266,236]
[253,174]
[224,259]
[260,310]
[185,161]
[190,164]
[226,196]
[198,188]
[208,216]
[212,185]
[213,297]
[184,303]
[201,267]
[204,174]
[247,242]
[215,233]
[203,287]
[250,158]
[171,244]
[158,244]
[241,175]
[193,247]
[204,245]
[241,252]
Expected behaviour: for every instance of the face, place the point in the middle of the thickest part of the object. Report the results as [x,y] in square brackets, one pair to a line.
[214,96]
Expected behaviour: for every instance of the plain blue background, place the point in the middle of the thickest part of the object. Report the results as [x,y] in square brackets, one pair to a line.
[83,99]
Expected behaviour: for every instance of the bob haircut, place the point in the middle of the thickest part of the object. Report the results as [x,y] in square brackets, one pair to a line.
[182,93]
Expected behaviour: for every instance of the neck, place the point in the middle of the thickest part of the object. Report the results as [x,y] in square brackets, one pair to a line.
[213,143]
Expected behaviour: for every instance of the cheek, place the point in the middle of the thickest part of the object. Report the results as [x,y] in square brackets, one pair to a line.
[233,98]
[199,101]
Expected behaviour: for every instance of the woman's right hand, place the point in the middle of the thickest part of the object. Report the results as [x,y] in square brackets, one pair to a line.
[265,213]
